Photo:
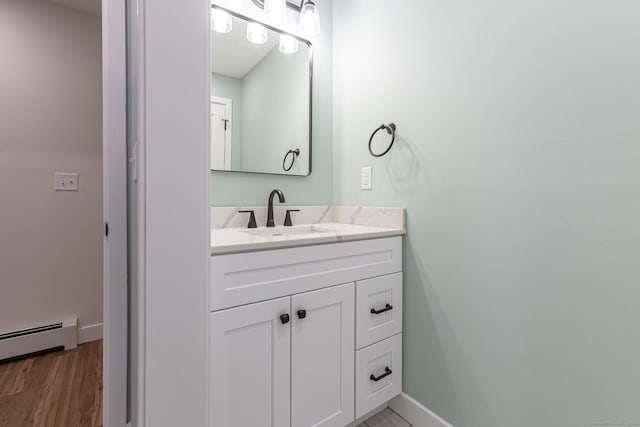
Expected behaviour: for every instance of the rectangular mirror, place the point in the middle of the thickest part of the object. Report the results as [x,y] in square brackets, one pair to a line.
[260,98]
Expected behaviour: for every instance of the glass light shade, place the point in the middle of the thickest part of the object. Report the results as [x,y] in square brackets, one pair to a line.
[256,33]
[288,44]
[309,19]
[276,10]
[220,21]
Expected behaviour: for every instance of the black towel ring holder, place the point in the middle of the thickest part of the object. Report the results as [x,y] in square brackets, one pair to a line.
[391,130]
[295,153]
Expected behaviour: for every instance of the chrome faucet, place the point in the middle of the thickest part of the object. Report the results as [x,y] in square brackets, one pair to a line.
[270,221]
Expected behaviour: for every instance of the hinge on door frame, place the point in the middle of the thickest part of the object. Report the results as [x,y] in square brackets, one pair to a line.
[106,229]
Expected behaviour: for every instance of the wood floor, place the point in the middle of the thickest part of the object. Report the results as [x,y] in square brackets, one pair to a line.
[64,389]
[386,418]
[61,389]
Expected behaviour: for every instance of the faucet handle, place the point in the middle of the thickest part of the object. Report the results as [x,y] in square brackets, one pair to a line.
[252,219]
[287,218]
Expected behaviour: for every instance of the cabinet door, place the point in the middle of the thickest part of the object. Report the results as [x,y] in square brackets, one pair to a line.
[249,372]
[322,357]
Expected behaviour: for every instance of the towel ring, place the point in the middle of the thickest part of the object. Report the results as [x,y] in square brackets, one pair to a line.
[295,153]
[391,130]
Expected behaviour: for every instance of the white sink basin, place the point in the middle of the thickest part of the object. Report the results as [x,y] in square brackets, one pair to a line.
[288,231]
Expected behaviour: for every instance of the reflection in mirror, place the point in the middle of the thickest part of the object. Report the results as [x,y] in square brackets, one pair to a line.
[260,98]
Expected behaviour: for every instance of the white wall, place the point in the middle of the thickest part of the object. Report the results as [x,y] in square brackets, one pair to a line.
[50,121]
[518,160]
[172,122]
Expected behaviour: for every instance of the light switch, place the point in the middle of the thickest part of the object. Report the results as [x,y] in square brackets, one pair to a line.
[365,178]
[66,181]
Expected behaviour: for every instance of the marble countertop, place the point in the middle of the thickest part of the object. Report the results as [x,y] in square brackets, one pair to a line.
[231,240]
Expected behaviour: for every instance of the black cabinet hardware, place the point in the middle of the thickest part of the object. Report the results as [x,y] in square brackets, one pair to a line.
[302,314]
[387,372]
[284,318]
[252,219]
[391,130]
[387,307]
[287,218]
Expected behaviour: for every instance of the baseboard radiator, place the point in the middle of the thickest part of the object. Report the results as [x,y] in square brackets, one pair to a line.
[28,342]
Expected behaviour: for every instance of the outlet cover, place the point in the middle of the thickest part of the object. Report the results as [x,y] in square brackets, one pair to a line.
[365,178]
[66,181]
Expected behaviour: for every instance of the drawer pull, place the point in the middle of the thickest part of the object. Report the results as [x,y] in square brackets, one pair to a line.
[387,372]
[387,307]
[284,318]
[302,314]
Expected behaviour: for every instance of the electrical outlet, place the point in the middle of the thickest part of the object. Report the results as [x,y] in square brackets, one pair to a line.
[66,181]
[365,178]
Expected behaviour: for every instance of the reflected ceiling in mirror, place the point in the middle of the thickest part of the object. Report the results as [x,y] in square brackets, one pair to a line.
[260,98]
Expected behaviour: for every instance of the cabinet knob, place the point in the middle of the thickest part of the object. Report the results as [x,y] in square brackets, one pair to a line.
[302,314]
[284,318]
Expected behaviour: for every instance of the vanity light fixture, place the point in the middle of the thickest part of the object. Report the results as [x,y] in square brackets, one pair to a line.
[309,19]
[288,44]
[221,21]
[256,33]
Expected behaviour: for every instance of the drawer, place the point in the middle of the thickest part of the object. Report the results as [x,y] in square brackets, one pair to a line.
[378,309]
[380,359]
[244,278]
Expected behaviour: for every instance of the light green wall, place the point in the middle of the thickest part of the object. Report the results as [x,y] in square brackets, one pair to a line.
[275,108]
[518,160]
[239,188]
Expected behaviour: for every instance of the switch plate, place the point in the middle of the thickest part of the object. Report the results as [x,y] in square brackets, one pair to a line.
[66,181]
[365,178]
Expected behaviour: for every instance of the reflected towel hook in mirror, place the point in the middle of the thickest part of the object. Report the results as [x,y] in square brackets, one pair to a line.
[295,153]
[391,130]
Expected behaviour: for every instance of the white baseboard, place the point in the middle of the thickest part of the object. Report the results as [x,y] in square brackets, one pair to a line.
[90,333]
[415,413]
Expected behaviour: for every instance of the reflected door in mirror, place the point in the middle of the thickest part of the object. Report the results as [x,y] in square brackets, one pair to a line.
[221,122]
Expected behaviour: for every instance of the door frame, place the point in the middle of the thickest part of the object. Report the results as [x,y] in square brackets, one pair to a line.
[228,112]
[114,150]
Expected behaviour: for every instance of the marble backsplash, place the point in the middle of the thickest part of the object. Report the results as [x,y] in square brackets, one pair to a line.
[229,217]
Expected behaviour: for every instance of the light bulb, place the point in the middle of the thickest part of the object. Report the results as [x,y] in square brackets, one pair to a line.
[276,10]
[309,19]
[256,33]
[220,21]
[288,44]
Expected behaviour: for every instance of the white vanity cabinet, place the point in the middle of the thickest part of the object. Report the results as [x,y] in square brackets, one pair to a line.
[322,356]
[322,360]
[250,354]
